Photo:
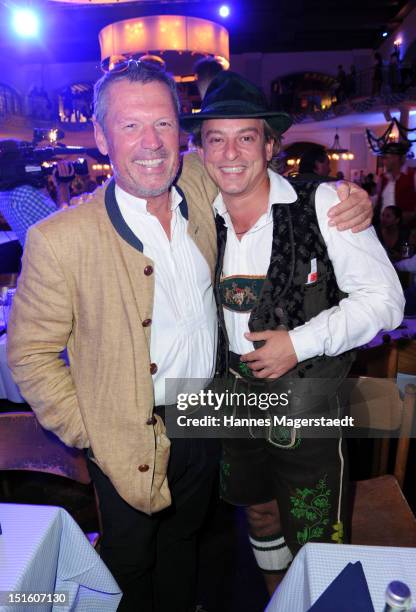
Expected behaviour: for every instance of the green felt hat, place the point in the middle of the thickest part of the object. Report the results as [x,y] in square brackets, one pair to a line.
[231,96]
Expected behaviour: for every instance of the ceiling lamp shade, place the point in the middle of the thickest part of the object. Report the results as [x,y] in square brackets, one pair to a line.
[166,35]
[336,152]
[101,2]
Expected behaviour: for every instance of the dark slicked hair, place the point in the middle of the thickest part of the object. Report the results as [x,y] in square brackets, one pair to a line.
[135,72]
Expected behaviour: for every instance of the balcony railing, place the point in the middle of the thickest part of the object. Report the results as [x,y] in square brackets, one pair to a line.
[361,94]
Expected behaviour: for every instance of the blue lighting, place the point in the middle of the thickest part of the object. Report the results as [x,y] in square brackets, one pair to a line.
[25,23]
[385,34]
[224,11]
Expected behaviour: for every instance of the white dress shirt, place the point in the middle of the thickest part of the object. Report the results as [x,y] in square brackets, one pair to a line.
[363,271]
[183,331]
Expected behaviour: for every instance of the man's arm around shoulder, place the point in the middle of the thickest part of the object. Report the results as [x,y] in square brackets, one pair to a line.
[195,181]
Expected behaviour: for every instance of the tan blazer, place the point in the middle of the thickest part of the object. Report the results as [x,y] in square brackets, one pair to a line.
[83,287]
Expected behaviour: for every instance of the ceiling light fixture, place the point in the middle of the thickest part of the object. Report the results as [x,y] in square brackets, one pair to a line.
[25,23]
[336,152]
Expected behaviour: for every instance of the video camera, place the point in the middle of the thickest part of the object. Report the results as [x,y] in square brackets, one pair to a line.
[24,163]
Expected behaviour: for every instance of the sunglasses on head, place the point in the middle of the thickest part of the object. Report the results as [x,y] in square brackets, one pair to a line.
[122,65]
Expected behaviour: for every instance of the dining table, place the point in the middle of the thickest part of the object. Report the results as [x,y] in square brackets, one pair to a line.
[316,565]
[7,236]
[47,564]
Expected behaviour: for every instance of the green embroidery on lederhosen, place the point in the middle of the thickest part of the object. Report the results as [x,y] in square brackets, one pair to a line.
[338,535]
[240,293]
[282,436]
[311,507]
[224,475]
[244,369]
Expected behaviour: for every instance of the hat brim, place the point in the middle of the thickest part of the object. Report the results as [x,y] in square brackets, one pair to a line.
[400,151]
[279,121]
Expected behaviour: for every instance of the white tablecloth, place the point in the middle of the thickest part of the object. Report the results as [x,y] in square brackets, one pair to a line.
[43,550]
[8,389]
[316,566]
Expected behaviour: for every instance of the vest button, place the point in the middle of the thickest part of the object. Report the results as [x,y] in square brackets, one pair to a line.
[147,322]
[153,368]
[151,420]
[143,467]
[148,270]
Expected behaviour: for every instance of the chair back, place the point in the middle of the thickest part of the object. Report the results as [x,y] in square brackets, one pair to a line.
[407,357]
[8,279]
[25,445]
[376,404]
[378,361]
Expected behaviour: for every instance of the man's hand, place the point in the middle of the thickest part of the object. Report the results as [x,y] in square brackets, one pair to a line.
[273,359]
[354,211]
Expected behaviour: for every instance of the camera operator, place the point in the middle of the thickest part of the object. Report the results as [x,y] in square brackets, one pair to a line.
[26,202]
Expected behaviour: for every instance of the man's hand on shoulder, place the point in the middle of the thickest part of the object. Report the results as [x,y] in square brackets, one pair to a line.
[275,358]
[354,210]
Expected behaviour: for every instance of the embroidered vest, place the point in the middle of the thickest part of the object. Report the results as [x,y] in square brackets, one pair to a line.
[286,298]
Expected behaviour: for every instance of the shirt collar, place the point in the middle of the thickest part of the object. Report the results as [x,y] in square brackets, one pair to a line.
[281,192]
[139,205]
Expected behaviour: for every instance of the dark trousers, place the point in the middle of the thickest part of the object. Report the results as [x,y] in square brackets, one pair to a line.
[153,558]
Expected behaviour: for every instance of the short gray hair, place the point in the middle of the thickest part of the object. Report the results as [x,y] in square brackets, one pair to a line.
[135,72]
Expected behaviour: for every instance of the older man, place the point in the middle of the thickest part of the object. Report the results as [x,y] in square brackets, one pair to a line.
[311,294]
[125,283]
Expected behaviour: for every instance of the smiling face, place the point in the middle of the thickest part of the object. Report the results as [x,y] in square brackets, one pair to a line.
[235,155]
[141,136]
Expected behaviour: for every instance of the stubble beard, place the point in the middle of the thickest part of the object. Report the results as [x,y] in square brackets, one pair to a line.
[140,191]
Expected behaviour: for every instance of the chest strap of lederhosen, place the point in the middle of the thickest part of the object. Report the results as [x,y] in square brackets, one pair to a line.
[240,293]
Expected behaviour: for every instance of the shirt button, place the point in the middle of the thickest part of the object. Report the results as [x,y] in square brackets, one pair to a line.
[153,368]
[143,468]
[148,270]
[147,322]
[151,420]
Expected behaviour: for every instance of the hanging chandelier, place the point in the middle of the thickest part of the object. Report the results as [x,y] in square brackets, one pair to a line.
[395,132]
[336,152]
[179,39]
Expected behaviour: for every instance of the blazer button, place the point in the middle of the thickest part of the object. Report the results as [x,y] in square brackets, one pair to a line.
[148,270]
[147,322]
[151,420]
[143,468]
[153,368]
